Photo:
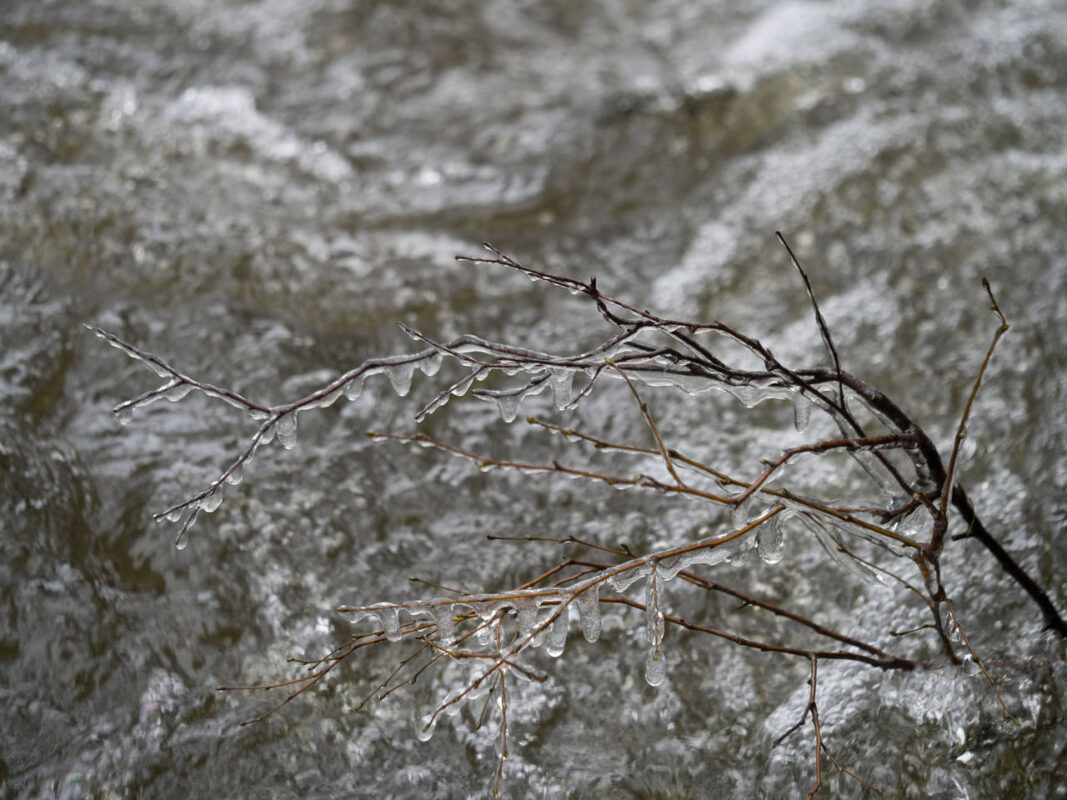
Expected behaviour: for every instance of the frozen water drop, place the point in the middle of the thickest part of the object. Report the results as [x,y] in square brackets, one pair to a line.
[655,667]
[561,379]
[526,611]
[285,427]
[212,501]
[174,516]
[391,619]
[235,475]
[424,727]
[124,415]
[268,436]
[588,603]
[430,366]
[400,377]
[445,617]
[178,391]
[769,541]
[557,635]
[182,540]
[354,388]
[329,399]
[801,413]
[508,406]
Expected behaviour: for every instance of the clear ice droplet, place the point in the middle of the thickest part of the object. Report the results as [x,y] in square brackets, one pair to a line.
[285,428]
[655,667]
[588,603]
[236,475]
[354,388]
[211,502]
[557,635]
[769,541]
[400,377]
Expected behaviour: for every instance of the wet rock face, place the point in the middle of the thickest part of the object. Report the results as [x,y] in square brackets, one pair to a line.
[259,191]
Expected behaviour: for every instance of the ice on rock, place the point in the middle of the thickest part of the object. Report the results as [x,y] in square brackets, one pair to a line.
[557,634]
[400,377]
[285,428]
[588,603]
[770,539]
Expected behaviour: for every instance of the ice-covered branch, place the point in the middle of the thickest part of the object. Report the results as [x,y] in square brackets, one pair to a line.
[495,638]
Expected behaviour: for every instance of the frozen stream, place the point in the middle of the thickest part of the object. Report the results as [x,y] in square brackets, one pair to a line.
[260,190]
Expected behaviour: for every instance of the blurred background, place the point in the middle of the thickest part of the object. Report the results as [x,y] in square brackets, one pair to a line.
[259,190]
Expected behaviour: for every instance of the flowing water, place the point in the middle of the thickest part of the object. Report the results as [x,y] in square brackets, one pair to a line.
[258,191]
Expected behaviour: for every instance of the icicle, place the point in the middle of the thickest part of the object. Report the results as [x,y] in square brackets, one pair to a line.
[561,379]
[445,617]
[391,620]
[770,539]
[526,610]
[400,377]
[354,388]
[557,634]
[286,430]
[801,412]
[655,667]
[212,501]
[508,406]
[588,603]
[653,615]
[235,475]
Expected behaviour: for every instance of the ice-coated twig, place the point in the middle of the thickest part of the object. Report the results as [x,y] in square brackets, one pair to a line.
[496,636]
